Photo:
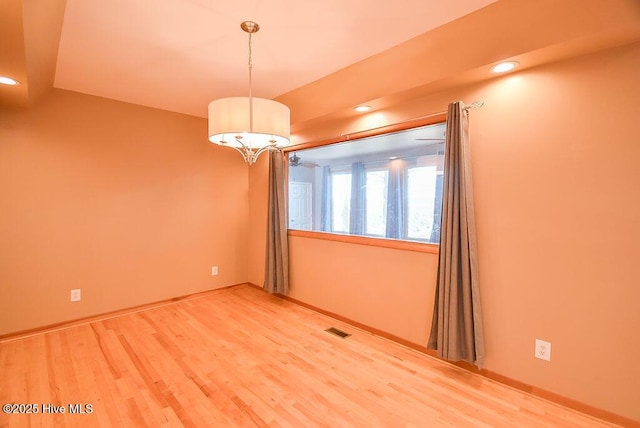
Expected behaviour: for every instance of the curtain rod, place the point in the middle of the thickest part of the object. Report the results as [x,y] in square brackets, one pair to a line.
[347,136]
[474,105]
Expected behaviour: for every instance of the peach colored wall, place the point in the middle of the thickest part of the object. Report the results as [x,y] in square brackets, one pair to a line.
[379,287]
[556,178]
[128,203]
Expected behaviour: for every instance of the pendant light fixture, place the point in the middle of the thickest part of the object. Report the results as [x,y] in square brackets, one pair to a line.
[248,124]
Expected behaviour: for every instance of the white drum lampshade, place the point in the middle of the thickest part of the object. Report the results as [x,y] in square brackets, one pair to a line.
[230,118]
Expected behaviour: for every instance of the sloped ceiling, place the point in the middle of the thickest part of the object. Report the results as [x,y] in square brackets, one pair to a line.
[321,57]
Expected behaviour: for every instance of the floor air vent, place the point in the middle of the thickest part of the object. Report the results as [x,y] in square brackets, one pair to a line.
[337,332]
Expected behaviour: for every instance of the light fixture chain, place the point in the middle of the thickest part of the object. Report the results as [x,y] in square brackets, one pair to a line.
[250,94]
[250,63]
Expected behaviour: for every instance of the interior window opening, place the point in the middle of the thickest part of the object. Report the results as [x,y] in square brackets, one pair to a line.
[386,186]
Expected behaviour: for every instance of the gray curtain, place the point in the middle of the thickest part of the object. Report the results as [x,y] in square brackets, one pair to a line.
[276,278]
[358,192]
[325,204]
[396,185]
[456,330]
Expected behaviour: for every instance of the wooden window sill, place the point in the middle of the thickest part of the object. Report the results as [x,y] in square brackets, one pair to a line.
[367,240]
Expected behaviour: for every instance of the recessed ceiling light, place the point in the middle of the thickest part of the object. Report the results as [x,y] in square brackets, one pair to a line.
[362,108]
[503,67]
[8,81]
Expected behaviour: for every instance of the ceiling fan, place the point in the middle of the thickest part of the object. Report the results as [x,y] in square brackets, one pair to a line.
[295,161]
[439,140]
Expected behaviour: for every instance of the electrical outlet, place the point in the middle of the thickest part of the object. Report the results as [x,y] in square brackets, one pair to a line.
[543,350]
[214,270]
[75,295]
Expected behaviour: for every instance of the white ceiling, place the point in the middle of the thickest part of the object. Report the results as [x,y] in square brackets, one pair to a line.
[179,55]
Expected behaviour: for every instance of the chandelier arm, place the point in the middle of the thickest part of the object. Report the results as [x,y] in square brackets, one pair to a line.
[249,154]
[242,144]
[268,148]
[246,153]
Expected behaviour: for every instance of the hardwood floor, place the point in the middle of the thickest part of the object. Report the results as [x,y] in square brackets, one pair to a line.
[239,357]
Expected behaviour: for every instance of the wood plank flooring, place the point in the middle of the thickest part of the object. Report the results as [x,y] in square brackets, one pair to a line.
[239,357]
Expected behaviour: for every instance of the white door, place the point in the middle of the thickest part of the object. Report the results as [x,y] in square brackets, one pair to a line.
[300,206]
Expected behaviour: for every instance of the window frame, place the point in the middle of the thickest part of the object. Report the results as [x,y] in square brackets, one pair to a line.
[367,170]
[407,226]
[417,246]
[335,174]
